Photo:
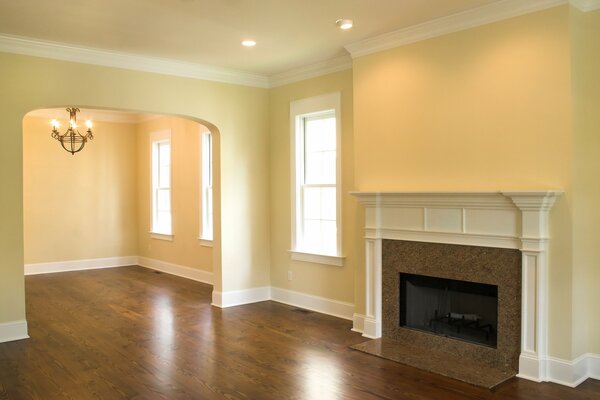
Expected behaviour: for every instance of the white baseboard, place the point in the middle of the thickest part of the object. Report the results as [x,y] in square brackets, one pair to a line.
[240,297]
[79,265]
[593,365]
[358,323]
[322,305]
[564,372]
[178,270]
[14,330]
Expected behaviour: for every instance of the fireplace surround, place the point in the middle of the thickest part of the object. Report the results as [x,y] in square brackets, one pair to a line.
[496,220]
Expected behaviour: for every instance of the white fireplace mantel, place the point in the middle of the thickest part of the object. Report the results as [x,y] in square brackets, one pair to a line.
[504,219]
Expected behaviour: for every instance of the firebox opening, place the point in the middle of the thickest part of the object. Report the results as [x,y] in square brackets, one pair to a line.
[446,307]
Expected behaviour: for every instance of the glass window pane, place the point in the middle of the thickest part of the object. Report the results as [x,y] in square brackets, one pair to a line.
[312,235]
[164,176]
[312,203]
[163,200]
[164,154]
[328,203]
[163,222]
[329,237]
[313,168]
[319,134]
[328,165]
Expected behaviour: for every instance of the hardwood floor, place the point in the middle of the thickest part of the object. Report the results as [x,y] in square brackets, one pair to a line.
[131,333]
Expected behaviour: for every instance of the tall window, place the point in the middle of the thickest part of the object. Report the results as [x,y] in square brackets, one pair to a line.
[207,187]
[161,184]
[316,235]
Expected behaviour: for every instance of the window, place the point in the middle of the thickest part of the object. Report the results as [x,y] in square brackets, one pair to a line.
[206,185]
[315,126]
[161,183]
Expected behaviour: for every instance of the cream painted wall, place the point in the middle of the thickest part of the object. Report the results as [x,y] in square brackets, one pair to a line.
[236,115]
[185,249]
[79,206]
[483,109]
[316,279]
[586,184]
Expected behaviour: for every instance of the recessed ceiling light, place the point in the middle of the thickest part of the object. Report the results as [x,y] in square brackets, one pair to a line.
[248,43]
[344,24]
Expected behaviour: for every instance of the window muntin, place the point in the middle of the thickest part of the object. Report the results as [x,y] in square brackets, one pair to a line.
[161,187]
[317,194]
[315,129]
[207,187]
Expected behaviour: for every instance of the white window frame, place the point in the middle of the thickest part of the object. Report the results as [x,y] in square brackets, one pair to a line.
[299,110]
[206,189]
[156,138]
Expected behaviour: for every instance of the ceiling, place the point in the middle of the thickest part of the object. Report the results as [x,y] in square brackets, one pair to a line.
[290,33]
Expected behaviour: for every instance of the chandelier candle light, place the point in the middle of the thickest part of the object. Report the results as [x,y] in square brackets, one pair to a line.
[72,141]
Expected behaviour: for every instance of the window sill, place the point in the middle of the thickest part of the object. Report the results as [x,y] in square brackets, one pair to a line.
[161,236]
[317,258]
[205,242]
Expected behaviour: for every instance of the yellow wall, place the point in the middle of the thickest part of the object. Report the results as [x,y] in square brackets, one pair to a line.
[510,105]
[483,109]
[185,249]
[236,115]
[586,216]
[316,279]
[79,206]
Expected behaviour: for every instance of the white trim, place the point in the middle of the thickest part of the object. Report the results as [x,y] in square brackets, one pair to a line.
[565,372]
[206,220]
[467,239]
[109,58]
[513,219]
[240,297]
[358,323]
[585,5]
[593,365]
[205,242]
[79,265]
[299,109]
[483,15]
[161,236]
[311,71]
[194,274]
[319,304]
[338,261]
[14,330]
[158,138]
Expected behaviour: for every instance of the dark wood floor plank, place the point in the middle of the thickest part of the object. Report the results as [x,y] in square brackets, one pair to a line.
[132,333]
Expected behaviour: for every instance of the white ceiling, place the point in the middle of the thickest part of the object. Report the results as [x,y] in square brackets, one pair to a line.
[290,33]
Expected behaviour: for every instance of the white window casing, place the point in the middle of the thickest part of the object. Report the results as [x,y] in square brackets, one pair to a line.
[206,189]
[315,128]
[161,174]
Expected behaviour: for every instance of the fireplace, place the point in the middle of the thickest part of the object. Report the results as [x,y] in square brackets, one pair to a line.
[451,308]
[493,238]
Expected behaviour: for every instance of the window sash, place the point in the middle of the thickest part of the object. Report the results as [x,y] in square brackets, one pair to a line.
[207,189]
[316,234]
[161,187]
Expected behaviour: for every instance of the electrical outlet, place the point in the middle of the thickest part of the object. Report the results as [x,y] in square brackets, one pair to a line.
[290,275]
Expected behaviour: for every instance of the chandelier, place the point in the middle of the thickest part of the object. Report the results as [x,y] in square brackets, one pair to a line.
[72,141]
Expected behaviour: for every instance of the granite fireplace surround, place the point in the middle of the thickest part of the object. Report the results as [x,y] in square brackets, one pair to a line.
[498,238]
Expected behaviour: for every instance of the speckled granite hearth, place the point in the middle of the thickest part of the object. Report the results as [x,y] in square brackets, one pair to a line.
[474,363]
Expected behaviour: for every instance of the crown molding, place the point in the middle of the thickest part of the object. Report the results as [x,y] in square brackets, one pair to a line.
[586,5]
[311,71]
[87,55]
[493,12]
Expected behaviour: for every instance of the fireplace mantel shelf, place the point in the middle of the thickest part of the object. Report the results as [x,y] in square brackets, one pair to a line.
[514,219]
[487,199]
